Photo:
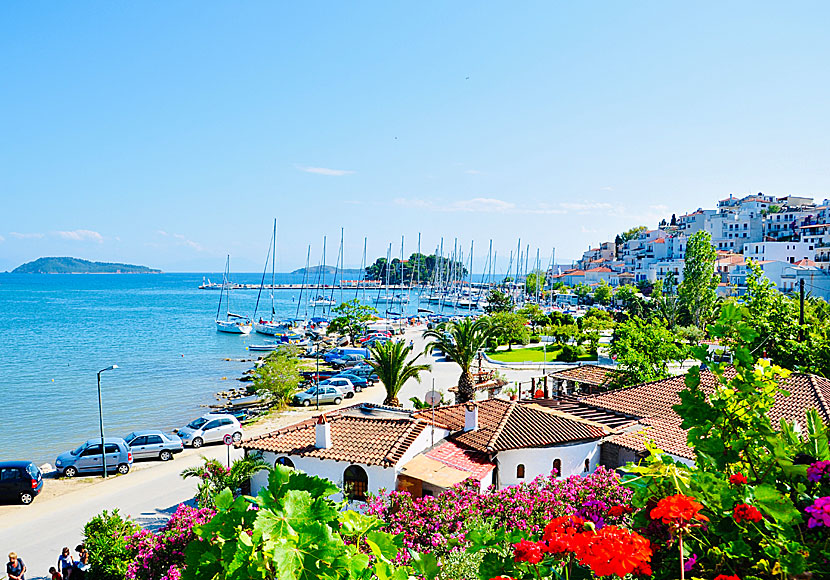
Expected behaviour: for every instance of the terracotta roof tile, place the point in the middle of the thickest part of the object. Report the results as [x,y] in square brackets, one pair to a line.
[656,399]
[475,463]
[594,375]
[369,441]
[506,425]
[666,434]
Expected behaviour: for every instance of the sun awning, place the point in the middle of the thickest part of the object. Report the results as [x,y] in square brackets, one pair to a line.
[434,472]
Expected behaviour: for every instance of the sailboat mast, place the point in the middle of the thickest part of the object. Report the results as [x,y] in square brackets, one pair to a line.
[273,270]
[302,287]
[362,273]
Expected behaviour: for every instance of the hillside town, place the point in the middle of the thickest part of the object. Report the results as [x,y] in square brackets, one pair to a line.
[788,237]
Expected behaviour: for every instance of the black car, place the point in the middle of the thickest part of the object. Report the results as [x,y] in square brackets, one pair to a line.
[20,481]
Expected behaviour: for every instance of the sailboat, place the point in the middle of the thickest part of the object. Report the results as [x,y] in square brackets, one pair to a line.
[272,326]
[233,323]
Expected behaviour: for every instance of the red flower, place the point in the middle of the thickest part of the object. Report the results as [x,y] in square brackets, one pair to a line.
[746,512]
[678,510]
[526,551]
[561,533]
[613,550]
[738,479]
[502,578]
[725,577]
[619,510]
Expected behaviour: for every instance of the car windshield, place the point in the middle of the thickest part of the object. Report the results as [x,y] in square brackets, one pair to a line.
[197,423]
[311,391]
[129,437]
[80,448]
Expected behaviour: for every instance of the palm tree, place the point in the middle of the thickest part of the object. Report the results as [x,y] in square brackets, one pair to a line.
[393,370]
[460,342]
[216,476]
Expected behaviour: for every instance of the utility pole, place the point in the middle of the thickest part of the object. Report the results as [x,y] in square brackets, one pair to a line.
[801,309]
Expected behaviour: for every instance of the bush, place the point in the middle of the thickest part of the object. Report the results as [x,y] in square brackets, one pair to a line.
[105,536]
[535,338]
[569,353]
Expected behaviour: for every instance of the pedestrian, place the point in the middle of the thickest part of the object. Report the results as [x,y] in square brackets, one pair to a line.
[82,563]
[53,572]
[15,569]
[65,563]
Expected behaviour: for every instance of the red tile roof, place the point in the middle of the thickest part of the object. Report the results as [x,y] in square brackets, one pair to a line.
[807,263]
[666,434]
[655,399]
[594,375]
[364,440]
[660,241]
[601,269]
[506,425]
[475,463]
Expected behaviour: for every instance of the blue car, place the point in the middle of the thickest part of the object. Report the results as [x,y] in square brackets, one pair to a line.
[358,381]
[88,458]
[20,481]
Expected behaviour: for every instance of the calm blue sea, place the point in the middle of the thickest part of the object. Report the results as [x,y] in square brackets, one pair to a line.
[59,330]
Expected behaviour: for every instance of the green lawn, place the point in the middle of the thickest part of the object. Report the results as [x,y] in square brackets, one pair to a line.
[533,354]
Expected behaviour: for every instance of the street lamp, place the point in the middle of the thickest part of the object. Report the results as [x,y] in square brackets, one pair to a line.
[101,418]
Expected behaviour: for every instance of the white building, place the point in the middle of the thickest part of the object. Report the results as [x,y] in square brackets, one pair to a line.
[790,252]
[367,448]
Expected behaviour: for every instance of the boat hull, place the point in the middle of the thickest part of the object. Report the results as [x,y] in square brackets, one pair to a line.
[230,327]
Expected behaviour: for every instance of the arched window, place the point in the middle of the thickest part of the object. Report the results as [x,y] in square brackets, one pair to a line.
[587,465]
[355,483]
[285,462]
[520,471]
[557,467]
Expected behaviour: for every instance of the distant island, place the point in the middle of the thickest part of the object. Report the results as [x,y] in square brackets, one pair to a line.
[67,265]
[313,270]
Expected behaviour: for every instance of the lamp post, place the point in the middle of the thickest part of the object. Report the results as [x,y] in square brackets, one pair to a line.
[101,418]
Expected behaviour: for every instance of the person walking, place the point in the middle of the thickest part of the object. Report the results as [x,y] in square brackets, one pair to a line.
[15,568]
[82,563]
[65,563]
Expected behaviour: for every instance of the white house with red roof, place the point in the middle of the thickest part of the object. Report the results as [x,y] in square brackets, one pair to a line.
[367,448]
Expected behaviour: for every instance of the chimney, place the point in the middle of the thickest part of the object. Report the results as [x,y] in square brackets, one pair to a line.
[322,433]
[470,417]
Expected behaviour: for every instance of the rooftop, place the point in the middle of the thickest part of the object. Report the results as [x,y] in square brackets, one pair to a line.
[587,374]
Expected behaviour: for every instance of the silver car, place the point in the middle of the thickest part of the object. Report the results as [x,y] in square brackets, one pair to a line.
[210,428]
[345,386]
[327,395]
[154,445]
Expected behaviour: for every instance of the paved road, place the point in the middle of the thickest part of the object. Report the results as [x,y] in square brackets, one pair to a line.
[153,490]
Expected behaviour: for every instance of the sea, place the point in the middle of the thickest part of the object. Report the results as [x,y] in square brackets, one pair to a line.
[59,330]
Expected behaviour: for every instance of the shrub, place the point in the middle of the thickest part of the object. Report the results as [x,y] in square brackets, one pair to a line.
[105,536]
[535,338]
[569,353]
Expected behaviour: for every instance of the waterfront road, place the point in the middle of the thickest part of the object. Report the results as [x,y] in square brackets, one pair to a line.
[153,490]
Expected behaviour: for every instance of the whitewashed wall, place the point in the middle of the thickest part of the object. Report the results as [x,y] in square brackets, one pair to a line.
[539,461]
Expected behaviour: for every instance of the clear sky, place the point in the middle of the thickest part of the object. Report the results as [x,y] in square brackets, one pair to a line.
[171,133]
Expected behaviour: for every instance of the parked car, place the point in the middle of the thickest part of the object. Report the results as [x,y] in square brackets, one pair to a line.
[87,458]
[210,428]
[376,340]
[20,481]
[359,382]
[327,395]
[346,359]
[154,445]
[341,352]
[344,385]
[364,371]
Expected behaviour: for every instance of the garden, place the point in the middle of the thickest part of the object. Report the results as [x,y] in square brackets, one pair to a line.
[756,506]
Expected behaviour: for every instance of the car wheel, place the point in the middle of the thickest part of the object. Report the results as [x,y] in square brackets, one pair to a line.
[237,437]
[165,455]
[26,498]
[70,472]
[358,389]
[337,400]
[349,395]
[306,403]
[197,443]
[123,468]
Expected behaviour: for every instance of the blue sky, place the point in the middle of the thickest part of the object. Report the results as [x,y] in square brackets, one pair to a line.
[169,134]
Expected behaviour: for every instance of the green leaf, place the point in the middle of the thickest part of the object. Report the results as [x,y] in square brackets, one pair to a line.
[425,564]
[357,524]
[384,545]
[224,499]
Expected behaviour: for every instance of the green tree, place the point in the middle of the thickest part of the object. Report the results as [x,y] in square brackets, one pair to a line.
[351,317]
[535,314]
[643,349]
[278,378]
[582,291]
[510,328]
[498,301]
[597,319]
[105,536]
[603,293]
[697,291]
[666,303]
[393,370]
[214,476]
[535,282]
[461,342]
[631,234]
